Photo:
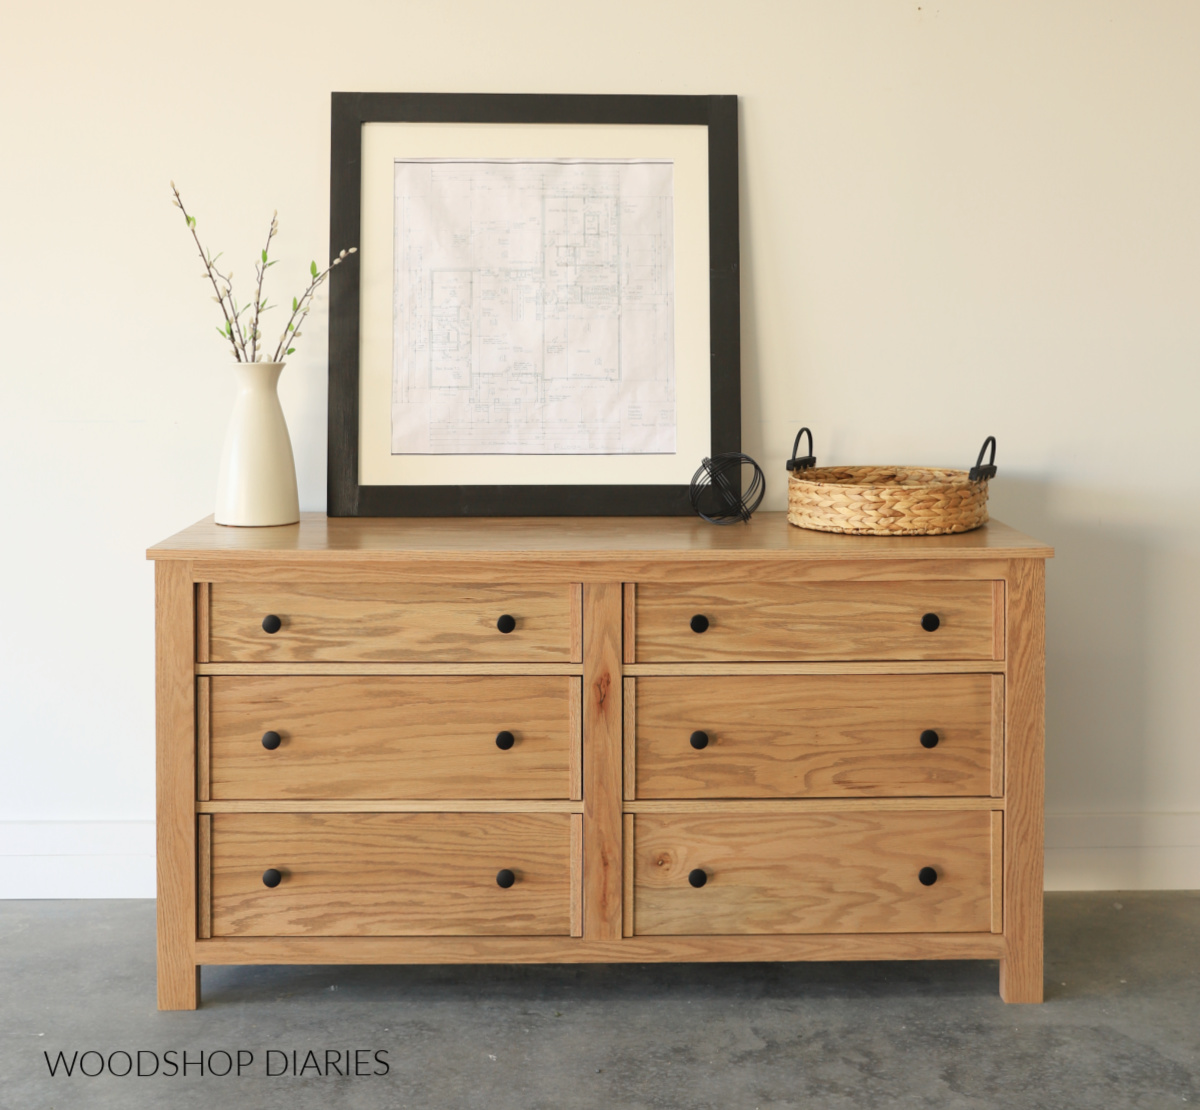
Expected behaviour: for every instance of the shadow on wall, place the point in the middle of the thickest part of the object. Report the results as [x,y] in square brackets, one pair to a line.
[1097,639]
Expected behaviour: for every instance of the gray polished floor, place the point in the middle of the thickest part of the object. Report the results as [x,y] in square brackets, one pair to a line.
[1120,1027]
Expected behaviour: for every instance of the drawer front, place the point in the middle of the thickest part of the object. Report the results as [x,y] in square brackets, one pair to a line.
[821,736]
[841,872]
[394,737]
[749,622]
[393,623]
[390,874]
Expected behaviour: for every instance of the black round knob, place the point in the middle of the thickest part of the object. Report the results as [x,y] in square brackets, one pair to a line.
[927,876]
[930,622]
[698,877]
[929,739]
[271,877]
[505,740]
[271,624]
[271,740]
[506,624]
[699,623]
[699,739]
[505,878]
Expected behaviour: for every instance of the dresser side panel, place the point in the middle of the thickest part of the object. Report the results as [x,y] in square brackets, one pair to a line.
[175,782]
[1025,779]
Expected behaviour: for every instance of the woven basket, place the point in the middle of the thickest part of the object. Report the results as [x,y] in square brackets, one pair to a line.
[888,500]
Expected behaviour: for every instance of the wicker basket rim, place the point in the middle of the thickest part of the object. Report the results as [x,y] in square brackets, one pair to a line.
[843,477]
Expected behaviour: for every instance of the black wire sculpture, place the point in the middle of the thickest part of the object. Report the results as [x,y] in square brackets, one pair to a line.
[716,490]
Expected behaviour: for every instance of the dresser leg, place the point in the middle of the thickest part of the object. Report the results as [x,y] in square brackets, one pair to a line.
[178,988]
[1021,976]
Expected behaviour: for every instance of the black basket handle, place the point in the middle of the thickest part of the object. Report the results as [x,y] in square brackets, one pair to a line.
[979,471]
[807,460]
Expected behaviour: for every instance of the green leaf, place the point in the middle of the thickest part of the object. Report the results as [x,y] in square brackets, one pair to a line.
[191,222]
[291,350]
[295,304]
[313,269]
[264,256]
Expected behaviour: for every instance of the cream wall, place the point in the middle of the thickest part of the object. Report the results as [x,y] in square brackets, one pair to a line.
[957,219]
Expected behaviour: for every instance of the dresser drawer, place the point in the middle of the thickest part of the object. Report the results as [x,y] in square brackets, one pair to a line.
[831,736]
[402,623]
[394,737]
[391,874]
[838,872]
[748,622]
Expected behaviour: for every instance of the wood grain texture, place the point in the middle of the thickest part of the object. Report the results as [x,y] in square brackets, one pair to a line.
[723,805]
[202,622]
[998,619]
[204,739]
[391,874]
[866,621]
[540,950]
[1025,780]
[576,594]
[602,721]
[899,666]
[374,805]
[853,872]
[628,734]
[629,622]
[814,736]
[805,805]
[575,753]
[433,670]
[392,737]
[376,558]
[399,622]
[576,874]
[699,570]
[997,872]
[627,875]
[175,781]
[512,540]
[204,875]
[997,783]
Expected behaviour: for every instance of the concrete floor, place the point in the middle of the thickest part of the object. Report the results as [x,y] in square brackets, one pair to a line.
[1120,1028]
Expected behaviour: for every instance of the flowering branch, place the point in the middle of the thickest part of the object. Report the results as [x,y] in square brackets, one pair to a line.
[260,269]
[245,337]
[212,274]
[301,305]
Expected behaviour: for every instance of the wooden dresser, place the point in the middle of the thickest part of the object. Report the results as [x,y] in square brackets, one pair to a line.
[587,740]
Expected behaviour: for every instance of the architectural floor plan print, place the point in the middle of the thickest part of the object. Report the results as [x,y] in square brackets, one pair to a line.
[534,307]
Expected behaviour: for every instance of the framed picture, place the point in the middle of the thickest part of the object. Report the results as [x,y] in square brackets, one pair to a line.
[542,318]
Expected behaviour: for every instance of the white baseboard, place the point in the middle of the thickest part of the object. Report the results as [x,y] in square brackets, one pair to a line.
[76,859]
[1122,851]
[115,859]
[1158,868]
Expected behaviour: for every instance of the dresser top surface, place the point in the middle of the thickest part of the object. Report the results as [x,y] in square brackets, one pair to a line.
[767,537]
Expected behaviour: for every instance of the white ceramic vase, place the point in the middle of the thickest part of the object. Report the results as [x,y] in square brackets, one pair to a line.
[257,483]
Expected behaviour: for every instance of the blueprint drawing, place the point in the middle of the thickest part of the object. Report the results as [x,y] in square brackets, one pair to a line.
[533,307]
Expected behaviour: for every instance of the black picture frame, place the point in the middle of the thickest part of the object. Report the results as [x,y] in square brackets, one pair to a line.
[350,110]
